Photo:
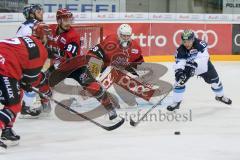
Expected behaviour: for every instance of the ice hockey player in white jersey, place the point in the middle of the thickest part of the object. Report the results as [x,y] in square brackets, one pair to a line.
[33,14]
[192,58]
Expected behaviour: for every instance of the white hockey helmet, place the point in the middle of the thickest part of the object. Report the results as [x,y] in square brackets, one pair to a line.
[124,33]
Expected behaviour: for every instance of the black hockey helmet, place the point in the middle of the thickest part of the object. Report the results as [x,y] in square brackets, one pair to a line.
[187,35]
[31,9]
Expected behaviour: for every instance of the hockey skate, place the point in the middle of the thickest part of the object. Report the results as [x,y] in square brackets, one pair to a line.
[112,114]
[28,112]
[3,147]
[46,106]
[174,106]
[224,99]
[9,137]
[114,100]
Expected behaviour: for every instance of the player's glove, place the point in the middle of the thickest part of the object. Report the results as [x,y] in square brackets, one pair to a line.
[190,68]
[26,86]
[180,76]
[54,52]
[58,61]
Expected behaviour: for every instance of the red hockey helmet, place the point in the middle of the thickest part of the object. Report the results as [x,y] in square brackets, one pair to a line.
[63,14]
[40,30]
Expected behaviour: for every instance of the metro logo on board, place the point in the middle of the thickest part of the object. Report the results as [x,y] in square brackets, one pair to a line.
[164,38]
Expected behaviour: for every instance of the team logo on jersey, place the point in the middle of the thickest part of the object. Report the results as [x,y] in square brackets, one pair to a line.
[193,51]
[192,54]
[110,46]
[134,51]
[2,59]
[8,86]
[63,40]
[83,77]
[1,97]
[52,38]
[119,60]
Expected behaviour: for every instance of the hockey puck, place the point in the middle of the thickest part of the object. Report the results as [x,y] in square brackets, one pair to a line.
[177,132]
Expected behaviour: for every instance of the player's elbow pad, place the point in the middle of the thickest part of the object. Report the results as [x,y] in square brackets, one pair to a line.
[30,75]
[41,80]
[98,52]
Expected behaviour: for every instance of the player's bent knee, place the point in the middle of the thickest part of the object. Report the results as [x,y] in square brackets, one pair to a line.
[7,116]
[95,89]
[15,108]
[217,86]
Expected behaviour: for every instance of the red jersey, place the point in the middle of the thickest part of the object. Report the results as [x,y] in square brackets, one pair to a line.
[22,58]
[111,46]
[67,43]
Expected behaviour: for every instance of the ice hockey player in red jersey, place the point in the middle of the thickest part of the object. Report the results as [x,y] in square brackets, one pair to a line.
[65,41]
[21,61]
[116,46]
[65,44]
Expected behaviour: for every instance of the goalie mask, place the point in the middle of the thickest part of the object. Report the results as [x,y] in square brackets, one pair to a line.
[124,34]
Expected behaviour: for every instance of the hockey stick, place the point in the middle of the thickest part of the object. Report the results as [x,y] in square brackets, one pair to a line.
[135,123]
[108,128]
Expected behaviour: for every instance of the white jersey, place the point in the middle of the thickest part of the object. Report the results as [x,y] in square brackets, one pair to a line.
[199,54]
[26,28]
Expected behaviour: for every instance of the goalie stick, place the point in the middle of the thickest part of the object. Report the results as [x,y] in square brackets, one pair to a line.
[108,128]
[135,123]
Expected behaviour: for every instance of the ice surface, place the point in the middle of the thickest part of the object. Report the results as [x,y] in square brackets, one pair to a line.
[213,133]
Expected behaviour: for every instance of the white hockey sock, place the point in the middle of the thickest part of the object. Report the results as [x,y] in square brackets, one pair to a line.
[29,98]
[178,92]
[217,88]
